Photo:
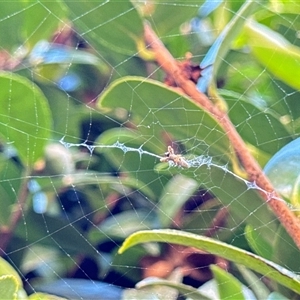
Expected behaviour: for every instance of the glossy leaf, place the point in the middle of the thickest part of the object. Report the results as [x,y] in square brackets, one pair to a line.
[113,24]
[228,286]
[158,110]
[285,250]
[283,170]
[234,254]
[26,127]
[274,52]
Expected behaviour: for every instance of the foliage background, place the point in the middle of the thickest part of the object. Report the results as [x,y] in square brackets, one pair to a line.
[85,118]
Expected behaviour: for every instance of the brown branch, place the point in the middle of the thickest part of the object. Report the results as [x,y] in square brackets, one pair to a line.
[6,232]
[287,218]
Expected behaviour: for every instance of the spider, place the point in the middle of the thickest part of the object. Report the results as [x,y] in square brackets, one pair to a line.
[177,159]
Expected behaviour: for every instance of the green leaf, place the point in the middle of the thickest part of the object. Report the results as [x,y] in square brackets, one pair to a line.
[158,110]
[285,250]
[8,287]
[42,296]
[10,181]
[234,254]
[286,182]
[25,117]
[122,148]
[258,243]
[113,24]
[274,52]
[7,269]
[228,286]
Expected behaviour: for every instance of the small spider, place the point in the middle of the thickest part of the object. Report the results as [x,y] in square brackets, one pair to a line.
[177,159]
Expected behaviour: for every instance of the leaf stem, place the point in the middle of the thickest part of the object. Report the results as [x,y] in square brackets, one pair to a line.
[255,174]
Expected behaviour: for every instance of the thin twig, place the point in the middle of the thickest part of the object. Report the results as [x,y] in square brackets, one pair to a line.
[6,232]
[287,218]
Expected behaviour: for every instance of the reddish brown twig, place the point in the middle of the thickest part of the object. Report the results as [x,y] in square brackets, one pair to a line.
[290,222]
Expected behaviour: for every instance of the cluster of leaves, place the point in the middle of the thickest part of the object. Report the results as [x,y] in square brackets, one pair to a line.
[80,205]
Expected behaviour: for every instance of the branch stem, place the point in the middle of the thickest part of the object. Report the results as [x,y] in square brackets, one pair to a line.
[255,174]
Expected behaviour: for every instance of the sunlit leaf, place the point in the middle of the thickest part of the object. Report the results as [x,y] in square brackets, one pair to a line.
[286,181]
[273,51]
[8,287]
[228,286]
[7,269]
[234,254]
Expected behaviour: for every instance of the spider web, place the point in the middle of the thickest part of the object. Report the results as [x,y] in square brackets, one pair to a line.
[106,189]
